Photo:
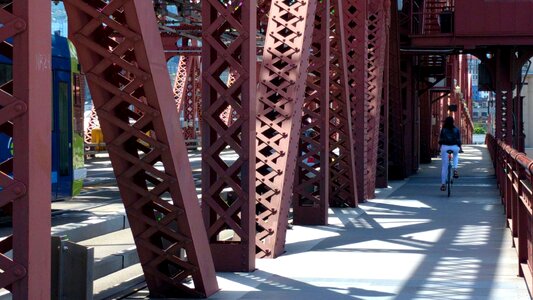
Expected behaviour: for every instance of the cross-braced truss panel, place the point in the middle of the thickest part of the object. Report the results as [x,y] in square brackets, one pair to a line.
[120,50]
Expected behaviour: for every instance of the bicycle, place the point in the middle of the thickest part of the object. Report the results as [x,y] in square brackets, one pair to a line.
[449,176]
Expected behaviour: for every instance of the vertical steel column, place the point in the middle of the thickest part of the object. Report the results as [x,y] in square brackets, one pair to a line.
[355,30]
[228,189]
[343,186]
[181,80]
[25,111]
[377,24]
[396,125]
[197,85]
[282,79]
[311,188]
[504,96]
[189,103]
[382,169]
[121,37]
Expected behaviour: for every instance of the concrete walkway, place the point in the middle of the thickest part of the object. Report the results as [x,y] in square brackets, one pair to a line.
[412,242]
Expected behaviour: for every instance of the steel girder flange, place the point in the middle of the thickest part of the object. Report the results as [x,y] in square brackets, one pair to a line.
[120,50]
[281,90]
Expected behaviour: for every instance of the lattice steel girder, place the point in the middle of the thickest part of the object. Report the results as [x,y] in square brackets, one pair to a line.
[180,82]
[25,112]
[311,191]
[377,40]
[190,98]
[120,37]
[282,79]
[341,151]
[93,123]
[356,41]
[228,189]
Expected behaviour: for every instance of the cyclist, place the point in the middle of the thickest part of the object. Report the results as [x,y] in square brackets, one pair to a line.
[449,139]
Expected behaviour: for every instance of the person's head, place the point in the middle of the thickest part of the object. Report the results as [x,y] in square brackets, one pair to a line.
[448,122]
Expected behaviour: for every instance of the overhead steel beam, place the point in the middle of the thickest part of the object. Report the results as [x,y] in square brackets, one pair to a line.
[282,80]
[140,125]
[311,191]
[228,189]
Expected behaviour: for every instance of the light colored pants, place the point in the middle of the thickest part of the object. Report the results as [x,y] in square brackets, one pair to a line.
[444,156]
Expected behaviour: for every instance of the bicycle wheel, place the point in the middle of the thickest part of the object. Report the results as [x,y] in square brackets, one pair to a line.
[449,179]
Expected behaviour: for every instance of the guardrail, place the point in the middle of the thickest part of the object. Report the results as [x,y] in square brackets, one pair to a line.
[514,172]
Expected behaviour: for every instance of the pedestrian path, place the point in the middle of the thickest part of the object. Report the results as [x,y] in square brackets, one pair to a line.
[412,242]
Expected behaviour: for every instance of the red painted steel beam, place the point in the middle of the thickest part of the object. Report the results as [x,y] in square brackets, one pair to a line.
[25,113]
[121,37]
[228,189]
[377,19]
[181,80]
[282,79]
[190,108]
[311,192]
[356,41]
[93,123]
[396,165]
[342,183]
[382,170]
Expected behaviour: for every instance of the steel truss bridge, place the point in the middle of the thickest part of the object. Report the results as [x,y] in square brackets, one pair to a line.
[322,101]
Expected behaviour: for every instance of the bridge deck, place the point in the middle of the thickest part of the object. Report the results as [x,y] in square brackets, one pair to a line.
[411,243]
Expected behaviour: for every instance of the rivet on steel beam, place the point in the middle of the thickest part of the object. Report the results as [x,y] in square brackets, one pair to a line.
[282,153]
[19,271]
[270,231]
[274,211]
[276,191]
[20,24]
[21,107]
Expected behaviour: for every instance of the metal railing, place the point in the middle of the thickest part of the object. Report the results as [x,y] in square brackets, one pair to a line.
[514,172]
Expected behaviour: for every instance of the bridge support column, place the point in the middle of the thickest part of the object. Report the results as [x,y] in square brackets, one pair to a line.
[140,125]
[342,184]
[281,93]
[311,187]
[25,111]
[228,189]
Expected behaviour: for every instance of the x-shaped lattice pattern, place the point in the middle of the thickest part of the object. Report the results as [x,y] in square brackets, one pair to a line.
[310,193]
[281,95]
[133,99]
[228,187]
[10,108]
[354,13]
[342,165]
[377,39]
[93,123]
[229,114]
[184,68]
[190,98]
